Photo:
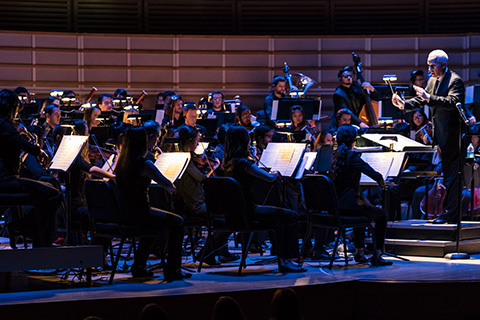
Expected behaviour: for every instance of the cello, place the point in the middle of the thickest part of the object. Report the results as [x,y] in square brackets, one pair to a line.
[368,113]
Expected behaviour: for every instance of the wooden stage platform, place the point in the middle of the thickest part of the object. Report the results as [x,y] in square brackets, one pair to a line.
[422,288]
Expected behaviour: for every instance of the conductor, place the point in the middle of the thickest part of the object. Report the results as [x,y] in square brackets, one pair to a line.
[445,89]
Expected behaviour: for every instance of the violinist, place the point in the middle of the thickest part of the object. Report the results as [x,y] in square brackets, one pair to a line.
[43,196]
[190,200]
[324,138]
[174,112]
[420,125]
[190,115]
[279,87]
[244,118]
[263,135]
[349,95]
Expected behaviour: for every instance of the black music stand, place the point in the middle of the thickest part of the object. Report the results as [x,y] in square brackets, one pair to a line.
[463,122]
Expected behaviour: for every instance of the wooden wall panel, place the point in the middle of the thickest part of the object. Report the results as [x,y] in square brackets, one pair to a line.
[194,66]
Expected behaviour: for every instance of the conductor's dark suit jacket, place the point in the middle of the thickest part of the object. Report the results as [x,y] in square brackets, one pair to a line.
[445,116]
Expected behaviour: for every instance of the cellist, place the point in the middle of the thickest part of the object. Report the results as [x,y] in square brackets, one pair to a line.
[349,95]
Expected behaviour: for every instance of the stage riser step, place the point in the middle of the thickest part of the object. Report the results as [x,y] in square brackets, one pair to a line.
[420,230]
[431,250]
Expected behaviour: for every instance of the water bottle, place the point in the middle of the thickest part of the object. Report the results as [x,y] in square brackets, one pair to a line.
[470,151]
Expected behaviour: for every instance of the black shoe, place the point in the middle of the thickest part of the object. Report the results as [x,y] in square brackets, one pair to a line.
[289,266]
[178,275]
[211,261]
[361,258]
[229,258]
[321,255]
[380,262]
[139,272]
[441,219]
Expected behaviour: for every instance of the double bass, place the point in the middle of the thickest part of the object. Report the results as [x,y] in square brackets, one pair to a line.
[368,113]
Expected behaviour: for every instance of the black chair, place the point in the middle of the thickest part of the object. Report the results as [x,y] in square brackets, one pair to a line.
[322,211]
[226,211]
[106,215]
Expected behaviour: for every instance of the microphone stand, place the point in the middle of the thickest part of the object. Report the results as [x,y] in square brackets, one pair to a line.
[457,254]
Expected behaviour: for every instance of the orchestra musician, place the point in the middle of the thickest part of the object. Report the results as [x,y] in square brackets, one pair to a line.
[243,118]
[90,117]
[416,79]
[343,116]
[42,195]
[174,112]
[263,136]
[421,126]
[120,93]
[324,138]
[190,114]
[349,95]
[105,102]
[347,168]
[134,174]
[279,84]
[217,102]
[238,166]
[445,89]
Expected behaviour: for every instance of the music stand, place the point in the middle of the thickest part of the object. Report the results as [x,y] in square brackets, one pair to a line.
[311,108]
[323,163]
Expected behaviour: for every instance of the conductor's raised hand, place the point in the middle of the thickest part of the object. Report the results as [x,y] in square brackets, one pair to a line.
[398,102]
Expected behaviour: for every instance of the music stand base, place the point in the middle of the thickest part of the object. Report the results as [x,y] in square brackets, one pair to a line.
[457,256]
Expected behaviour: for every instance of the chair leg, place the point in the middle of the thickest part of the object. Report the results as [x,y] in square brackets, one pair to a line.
[334,251]
[345,251]
[207,245]
[115,263]
[244,254]
[307,237]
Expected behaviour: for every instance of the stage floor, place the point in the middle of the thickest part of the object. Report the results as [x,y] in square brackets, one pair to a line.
[45,288]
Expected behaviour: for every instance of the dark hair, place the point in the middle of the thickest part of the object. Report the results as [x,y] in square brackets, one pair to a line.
[221,132]
[218,92]
[153,311]
[103,95]
[131,158]
[227,308]
[186,135]
[240,109]
[346,135]
[67,92]
[277,79]
[347,68]
[79,127]
[292,111]
[236,145]
[413,126]
[120,92]
[49,109]
[189,106]
[151,127]
[9,104]
[88,115]
[169,104]
[19,90]
[341,112]
[261,131]
[414,74]
[285,305]
[320,140]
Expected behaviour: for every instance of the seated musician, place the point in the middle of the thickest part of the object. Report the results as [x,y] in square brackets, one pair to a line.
[220,139]
[278,91]
[299,123]
[416,79]
[244,118]
[420,125]
[343,116]
[105,102]
[43,196]
[173,112]
[263,135]
[50,100]
[134,174]
[191,199]
[349,95]
[120,93]
[153,133]
[347,168]
[238,166]
[217,102]
[324,138]
[90,117]
[53,117]
[190,114]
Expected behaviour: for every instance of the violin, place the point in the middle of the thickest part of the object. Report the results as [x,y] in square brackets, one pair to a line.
[205,164]
[424,134]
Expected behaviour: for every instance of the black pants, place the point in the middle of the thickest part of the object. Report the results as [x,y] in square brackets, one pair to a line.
[46,200]
[164,221]
[379,216]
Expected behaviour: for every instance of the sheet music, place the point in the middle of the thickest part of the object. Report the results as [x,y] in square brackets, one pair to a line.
[399,142]
[388,164]
[159,115]
[172,164]
[273,116]
[67,152]
[283,157]
[200,149]
[310,159]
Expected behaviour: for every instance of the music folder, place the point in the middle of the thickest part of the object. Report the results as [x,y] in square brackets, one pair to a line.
[285,158]
[172,164]
[67,152]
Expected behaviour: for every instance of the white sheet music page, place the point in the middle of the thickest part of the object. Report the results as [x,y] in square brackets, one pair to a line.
[283,157]
[200,149]
[388,164]
[172,164]
[399,142]
[67,152]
